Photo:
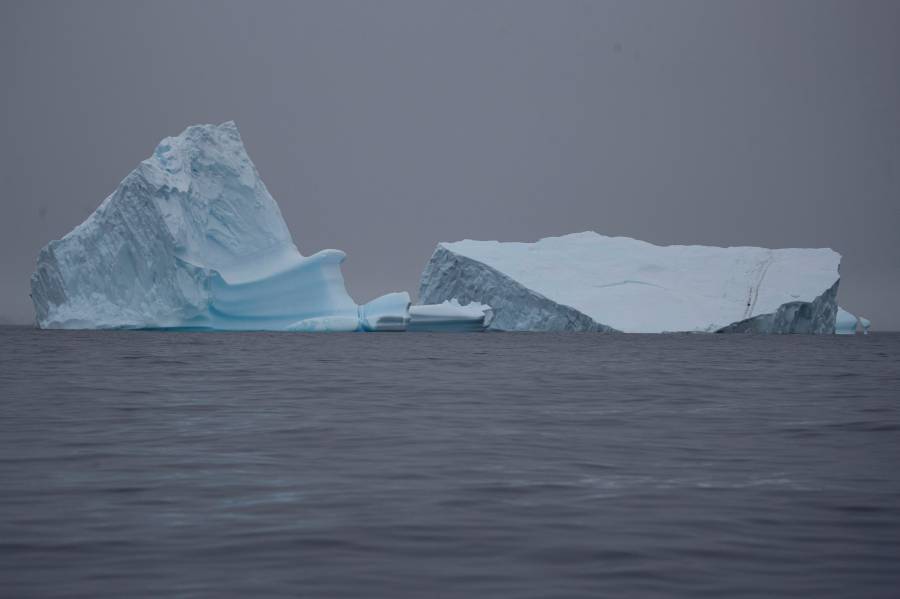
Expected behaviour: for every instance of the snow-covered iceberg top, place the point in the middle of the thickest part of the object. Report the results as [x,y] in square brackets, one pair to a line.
[192,238]
[587,281]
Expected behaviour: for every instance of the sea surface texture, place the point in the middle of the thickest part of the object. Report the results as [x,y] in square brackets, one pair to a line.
[150,464]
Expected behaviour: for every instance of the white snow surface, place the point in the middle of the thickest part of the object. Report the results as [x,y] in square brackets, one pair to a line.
[634,286]
[192,238]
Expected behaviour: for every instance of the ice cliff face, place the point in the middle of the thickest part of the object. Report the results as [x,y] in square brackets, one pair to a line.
[192,238]
[590,282]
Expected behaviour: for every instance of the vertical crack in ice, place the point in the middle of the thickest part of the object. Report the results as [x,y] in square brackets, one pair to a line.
[753,294]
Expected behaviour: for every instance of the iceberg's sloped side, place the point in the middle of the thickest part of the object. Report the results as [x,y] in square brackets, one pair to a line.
[190,238]
[449,275]
[816,317]
[590,282]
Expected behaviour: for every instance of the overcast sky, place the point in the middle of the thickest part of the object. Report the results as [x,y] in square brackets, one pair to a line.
[384,127]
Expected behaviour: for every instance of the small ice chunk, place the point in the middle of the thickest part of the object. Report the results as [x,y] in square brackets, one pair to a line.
[450,315]
[386,313]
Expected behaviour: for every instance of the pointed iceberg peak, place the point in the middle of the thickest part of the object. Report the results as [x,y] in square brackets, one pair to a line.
[192,238]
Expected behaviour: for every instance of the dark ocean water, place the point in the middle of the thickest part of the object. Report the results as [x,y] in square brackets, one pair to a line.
[427,465]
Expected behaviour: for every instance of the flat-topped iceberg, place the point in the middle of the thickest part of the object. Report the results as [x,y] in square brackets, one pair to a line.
[590,282]
[192,239]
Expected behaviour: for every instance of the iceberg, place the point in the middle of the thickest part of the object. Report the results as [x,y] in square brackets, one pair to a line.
[591,282]
[192,239]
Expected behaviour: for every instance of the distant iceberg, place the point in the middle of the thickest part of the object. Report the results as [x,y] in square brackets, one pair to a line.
[192,239]
[591,282]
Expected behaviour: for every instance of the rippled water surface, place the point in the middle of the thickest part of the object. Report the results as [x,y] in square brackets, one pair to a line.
[419,465]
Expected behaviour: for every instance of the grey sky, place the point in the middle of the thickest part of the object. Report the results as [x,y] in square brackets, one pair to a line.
[384,127]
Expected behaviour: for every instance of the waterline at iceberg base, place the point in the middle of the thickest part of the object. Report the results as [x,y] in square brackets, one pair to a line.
[591,282]
[192,239]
